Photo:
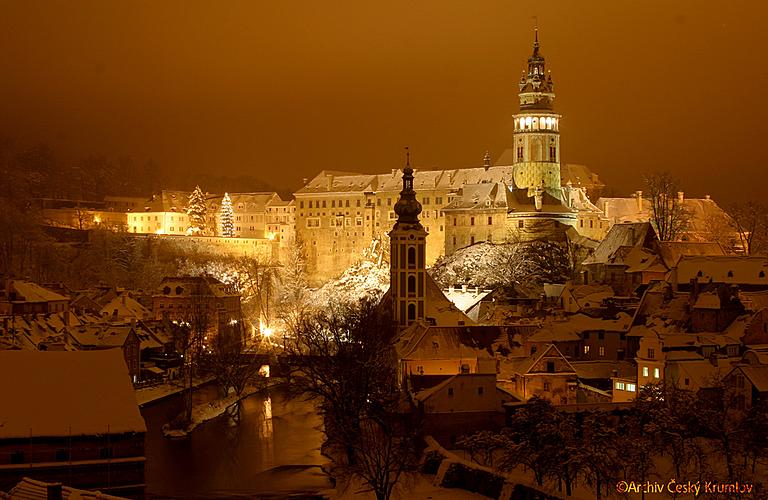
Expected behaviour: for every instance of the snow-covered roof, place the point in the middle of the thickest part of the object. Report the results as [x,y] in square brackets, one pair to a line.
[754,301]
[571,327]
[757,375]
[125,306]
[622,235]
[26,291]
[526,365]
[32,489]
[672,251]
[420,341]
[244,202]
[47,394]
[579,175]
[465,299]
[734,269]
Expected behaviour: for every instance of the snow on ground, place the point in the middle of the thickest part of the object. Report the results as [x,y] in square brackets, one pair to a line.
[476,265]
[367,278]
[149,394]
[414,486]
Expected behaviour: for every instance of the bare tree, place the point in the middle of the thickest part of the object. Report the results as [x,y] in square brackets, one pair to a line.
[342,358]
[751,224]
[668,214]
[385,448]
[257,284]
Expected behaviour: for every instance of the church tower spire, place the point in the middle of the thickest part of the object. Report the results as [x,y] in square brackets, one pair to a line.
[407,255]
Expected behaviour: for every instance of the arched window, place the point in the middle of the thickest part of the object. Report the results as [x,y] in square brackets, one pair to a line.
[411,257]
[411,312]
[411,285]
[527,122]
[730,274]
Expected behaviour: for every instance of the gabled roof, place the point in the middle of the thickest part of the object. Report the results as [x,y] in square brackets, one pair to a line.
[457,342]
[525,366]
[47,394]
[126,307]
[622,235]
[480,196]
[672,251]
[757,375]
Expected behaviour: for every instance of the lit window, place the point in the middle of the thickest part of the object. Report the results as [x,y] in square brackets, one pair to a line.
[601,351]
[620,386]
[586,349]
[631,387]
[655,373]
[645,371]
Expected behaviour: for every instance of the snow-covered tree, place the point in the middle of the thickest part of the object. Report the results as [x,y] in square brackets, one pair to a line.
[226,217]
[197,212]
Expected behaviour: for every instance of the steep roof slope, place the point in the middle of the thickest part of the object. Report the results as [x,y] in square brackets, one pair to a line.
[50,394]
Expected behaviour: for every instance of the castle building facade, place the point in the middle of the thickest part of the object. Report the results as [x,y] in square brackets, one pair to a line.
[527,194]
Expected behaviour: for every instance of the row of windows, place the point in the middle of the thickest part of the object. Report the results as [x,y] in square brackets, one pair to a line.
[345,203]
[656,372]
[626,386]
[600,350]
[536,123]
[591,223]
[472,221]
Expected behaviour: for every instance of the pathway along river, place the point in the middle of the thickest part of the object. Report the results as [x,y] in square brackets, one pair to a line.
[273,452]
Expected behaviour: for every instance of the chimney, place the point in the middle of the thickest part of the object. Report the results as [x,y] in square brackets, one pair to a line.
[53,491]
[639,198]
[329,181]
[122,298]
[706,197]
[450,289]
[680,197]
[304,180]
[464,288]
[394,172]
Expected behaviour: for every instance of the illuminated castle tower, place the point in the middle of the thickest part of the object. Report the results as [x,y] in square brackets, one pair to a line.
[408,275]
[537,130]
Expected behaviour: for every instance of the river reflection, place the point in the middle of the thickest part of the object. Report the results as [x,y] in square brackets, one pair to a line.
[273,451]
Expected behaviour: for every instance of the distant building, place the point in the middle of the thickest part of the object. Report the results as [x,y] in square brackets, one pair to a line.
[25,297]
[707,221]
[190,298]
[70,417]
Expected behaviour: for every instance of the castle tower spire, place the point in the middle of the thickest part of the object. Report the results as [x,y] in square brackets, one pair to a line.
[537,129]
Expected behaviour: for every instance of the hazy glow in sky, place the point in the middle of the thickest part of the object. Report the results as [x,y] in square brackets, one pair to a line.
[282,90]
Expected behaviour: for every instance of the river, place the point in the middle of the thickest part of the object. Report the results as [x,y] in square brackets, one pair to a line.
[274,451]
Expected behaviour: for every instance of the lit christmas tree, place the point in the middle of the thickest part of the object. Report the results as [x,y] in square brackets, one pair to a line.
[227,217]
[197,212]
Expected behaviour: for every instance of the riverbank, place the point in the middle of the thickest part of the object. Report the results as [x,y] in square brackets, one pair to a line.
[148,395]
[203,412]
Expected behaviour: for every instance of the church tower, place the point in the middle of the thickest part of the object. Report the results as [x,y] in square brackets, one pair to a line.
[407,274]
[537,130]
